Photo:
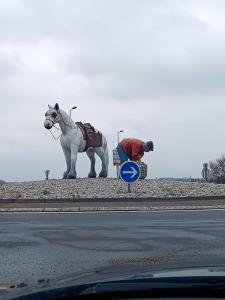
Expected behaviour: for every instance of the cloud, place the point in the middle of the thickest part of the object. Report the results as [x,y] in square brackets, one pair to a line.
[157,51]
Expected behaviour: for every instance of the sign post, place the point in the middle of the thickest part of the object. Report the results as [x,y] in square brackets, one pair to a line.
[47,174]
[116,162]
[130,173]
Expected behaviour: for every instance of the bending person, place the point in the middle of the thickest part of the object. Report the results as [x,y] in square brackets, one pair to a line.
[133,149]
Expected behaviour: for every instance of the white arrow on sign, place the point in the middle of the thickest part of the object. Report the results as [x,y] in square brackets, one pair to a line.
[133,172]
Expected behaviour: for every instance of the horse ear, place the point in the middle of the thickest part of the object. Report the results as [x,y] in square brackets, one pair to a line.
[56,106]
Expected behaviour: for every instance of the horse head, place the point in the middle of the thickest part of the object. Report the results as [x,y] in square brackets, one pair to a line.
[52,116]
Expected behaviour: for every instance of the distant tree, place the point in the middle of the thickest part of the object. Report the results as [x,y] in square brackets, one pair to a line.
[217,170]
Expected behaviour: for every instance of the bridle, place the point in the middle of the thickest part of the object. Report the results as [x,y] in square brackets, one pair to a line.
[52,119]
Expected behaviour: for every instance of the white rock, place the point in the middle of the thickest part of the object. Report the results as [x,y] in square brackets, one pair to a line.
[106,188]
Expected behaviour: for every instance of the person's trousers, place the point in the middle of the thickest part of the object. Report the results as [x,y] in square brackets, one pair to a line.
[122,155]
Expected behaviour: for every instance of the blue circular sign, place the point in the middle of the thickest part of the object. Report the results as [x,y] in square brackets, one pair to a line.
[130,172]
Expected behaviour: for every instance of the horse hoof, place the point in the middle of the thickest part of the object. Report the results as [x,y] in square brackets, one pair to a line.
[103,174]
[71,177]
[65,174]
[92,175]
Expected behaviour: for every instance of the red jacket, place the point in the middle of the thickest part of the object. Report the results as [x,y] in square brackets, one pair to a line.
[134,148]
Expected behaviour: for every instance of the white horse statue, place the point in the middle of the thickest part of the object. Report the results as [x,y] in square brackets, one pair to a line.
[72,142]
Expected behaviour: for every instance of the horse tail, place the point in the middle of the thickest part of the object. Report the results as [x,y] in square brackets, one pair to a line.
[105,147]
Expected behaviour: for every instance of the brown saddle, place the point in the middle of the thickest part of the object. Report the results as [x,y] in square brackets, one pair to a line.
[92,138]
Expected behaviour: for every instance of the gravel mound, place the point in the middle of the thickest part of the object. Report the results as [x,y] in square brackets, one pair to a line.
[106,188]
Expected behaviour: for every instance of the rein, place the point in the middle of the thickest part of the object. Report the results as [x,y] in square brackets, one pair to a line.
[55,138]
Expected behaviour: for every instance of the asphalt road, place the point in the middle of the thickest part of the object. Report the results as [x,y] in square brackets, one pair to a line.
[40,246]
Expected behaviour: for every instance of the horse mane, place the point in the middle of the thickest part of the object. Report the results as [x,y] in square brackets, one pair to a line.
[67,119]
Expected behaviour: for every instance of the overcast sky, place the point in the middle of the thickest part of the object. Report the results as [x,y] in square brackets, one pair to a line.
[155,69]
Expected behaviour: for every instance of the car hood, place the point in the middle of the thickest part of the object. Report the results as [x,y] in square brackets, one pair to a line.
[105,275]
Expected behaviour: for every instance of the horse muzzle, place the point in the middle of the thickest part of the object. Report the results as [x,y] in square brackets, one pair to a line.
[48,125]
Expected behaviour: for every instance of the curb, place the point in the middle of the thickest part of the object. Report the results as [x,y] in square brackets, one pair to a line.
[107,199]
[109,209]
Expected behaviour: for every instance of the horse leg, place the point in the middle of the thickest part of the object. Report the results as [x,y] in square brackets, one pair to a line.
[91,155]
[72,173]
[67,155]
[102,154]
